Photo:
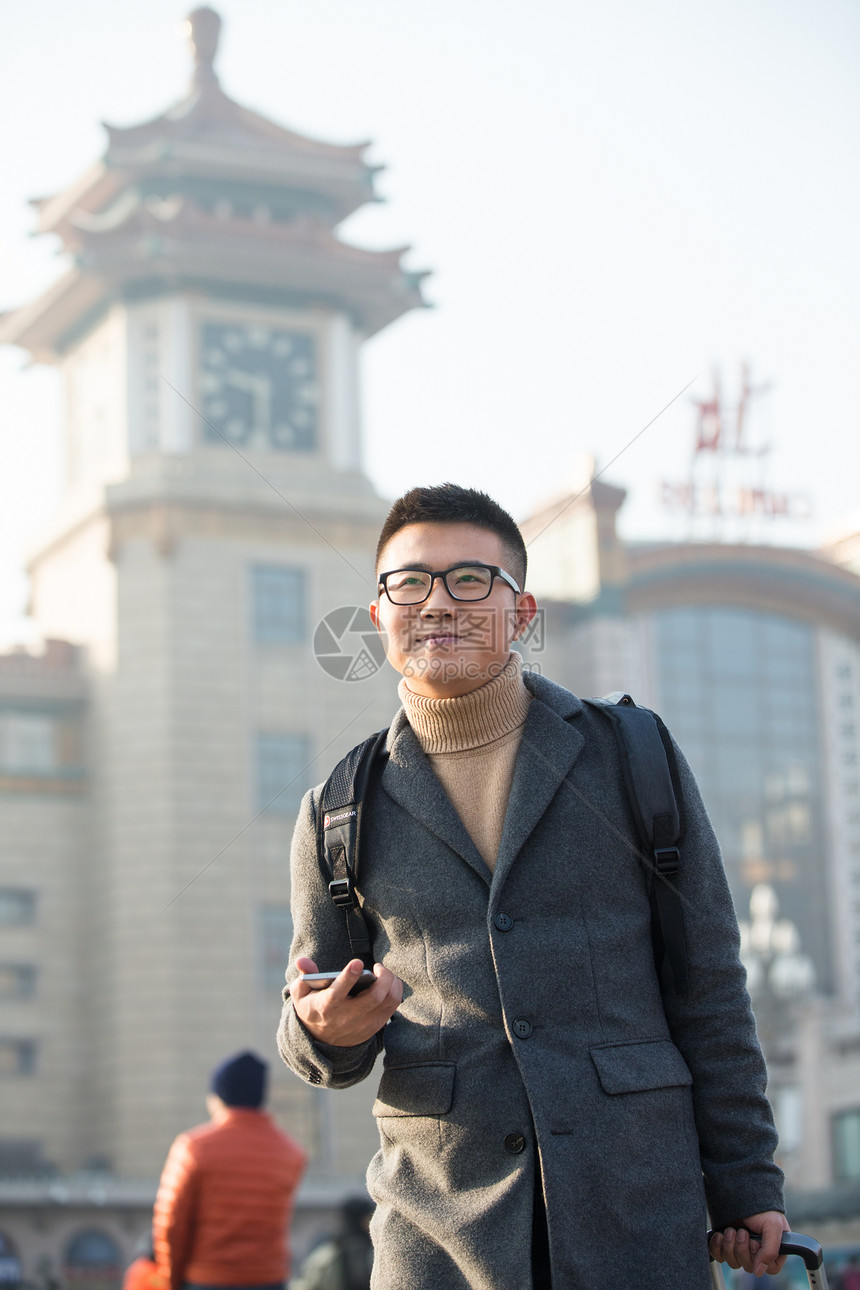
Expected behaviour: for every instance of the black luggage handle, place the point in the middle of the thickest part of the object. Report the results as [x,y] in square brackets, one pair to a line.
[806,1248]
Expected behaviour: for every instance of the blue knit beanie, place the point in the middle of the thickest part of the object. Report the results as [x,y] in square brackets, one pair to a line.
[240,1080]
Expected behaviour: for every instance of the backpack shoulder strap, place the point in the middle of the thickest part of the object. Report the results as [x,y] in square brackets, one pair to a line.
[651,778]
[338,835]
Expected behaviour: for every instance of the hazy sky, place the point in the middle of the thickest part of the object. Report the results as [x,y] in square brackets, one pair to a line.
[613,200]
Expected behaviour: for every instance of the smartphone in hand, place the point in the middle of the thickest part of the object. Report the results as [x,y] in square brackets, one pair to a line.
[322,980]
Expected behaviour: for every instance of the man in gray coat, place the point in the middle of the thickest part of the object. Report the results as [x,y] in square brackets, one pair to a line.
[551,1112]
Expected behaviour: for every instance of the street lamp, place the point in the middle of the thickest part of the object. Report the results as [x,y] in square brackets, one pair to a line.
[770,950]
[781,980]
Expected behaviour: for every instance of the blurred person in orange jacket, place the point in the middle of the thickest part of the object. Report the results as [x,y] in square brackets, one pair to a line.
[143,1272]
[225,1200]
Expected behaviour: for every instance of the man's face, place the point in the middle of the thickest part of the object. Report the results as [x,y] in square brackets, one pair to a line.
[446,647]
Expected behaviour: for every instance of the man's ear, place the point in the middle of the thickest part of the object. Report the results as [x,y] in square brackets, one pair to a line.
[374,615]
[526,610]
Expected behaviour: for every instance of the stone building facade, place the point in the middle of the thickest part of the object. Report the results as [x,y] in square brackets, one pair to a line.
[203,590]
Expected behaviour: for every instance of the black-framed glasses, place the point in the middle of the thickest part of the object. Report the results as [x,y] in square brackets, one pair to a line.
[462,582]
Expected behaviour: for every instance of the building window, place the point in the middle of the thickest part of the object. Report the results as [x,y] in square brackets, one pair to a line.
[846,1146]
[787,1104]
[279,604]
[22,1158]
[17,981]
[17,907]
[17,1057]
[27,743]
[93,1262]
[282,772]
[276,933]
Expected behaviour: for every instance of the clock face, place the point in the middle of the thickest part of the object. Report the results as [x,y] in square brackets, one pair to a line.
[258,386]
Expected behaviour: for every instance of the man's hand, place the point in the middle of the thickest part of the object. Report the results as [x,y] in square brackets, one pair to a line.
[332,1017]
[739,1249]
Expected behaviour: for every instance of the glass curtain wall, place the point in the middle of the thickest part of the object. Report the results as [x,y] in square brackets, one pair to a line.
[738,689]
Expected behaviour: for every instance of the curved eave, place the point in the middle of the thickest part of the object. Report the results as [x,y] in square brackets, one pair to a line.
[93,190]
[795,584]
[371,286]
[345,189]
[209,135]
[170,222]
[210,110]
[222,141]
[39,326]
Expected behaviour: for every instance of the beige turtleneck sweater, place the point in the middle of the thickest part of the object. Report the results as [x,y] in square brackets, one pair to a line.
[472,742]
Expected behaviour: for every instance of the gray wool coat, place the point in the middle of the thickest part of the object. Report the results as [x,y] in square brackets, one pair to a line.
[534,1040]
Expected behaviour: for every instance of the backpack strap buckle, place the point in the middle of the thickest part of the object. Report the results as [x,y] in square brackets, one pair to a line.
[342,892]
[667,860]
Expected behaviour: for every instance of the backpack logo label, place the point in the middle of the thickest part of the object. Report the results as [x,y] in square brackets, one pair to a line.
[348,814]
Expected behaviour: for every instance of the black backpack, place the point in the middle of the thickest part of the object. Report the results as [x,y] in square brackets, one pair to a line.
[653,789]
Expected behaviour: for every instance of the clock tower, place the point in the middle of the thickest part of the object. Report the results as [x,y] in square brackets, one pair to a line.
[215,520]
[210,304]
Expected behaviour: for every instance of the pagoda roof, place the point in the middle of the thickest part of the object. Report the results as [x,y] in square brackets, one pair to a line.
[230,146]
[212,195]
[209,135]
[156,246]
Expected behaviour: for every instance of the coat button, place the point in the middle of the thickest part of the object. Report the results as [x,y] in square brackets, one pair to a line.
[515,1143]
[522,1028]
[504,922]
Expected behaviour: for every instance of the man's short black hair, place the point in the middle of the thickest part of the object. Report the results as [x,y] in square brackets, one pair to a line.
[452,504]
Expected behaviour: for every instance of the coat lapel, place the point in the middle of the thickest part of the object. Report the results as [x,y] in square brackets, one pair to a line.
[548,750]
[409,780]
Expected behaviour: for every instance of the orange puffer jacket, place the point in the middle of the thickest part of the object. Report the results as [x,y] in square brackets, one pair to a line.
[225,1202]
